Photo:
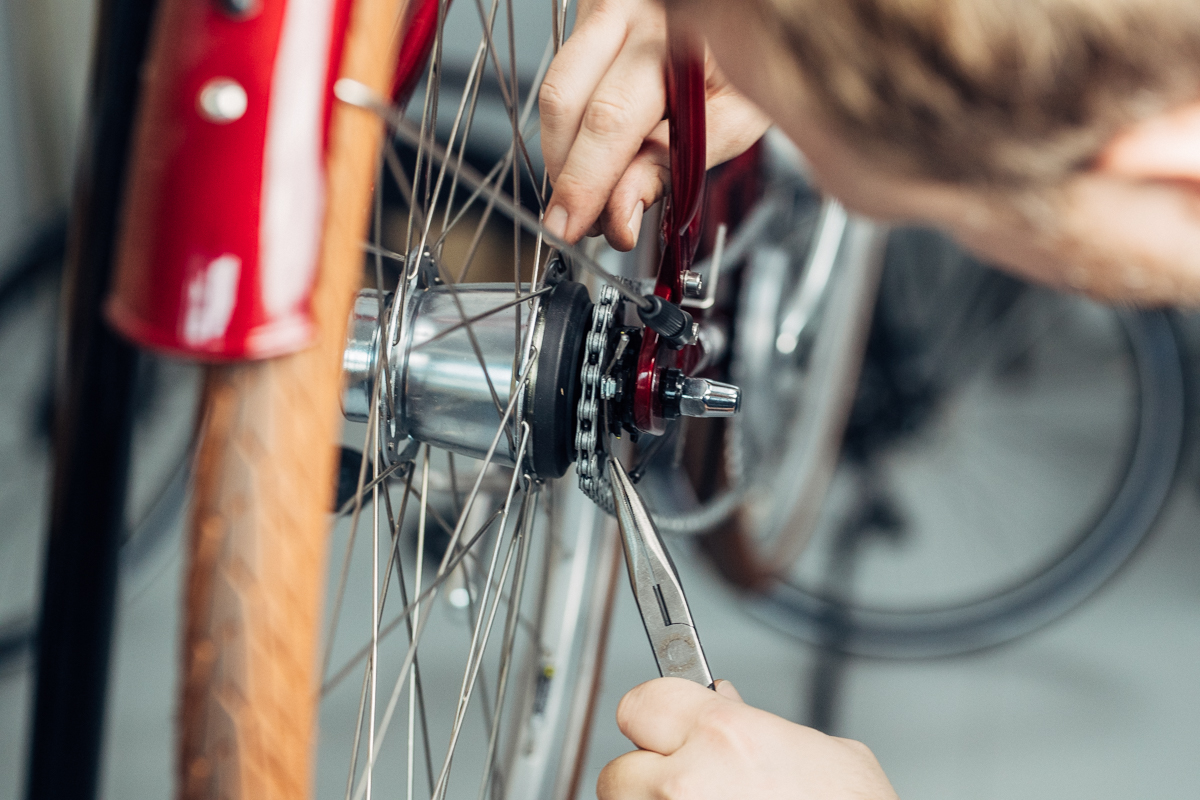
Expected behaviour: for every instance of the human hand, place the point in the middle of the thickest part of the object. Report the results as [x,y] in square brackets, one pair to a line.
[699,744]
[604,138]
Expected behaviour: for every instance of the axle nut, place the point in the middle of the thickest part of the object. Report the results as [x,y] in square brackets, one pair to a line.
[702,397]
[698,397]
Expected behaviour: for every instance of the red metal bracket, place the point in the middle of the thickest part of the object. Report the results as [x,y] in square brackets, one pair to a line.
[682,219]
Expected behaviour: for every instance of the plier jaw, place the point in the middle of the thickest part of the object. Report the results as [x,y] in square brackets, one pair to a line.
[656,586]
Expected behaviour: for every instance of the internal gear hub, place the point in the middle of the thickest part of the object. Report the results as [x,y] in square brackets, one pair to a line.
[449,383]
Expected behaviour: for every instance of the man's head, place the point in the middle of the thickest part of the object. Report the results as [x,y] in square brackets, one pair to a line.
[1059,137]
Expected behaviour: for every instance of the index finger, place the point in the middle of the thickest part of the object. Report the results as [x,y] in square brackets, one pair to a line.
[576,71]
[659,714]
[621,113]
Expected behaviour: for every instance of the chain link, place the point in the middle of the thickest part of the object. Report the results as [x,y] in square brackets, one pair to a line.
[590,438]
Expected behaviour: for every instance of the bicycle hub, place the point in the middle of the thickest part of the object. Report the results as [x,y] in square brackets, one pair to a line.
[452,377]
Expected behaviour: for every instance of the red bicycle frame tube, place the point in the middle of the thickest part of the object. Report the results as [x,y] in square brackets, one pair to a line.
[682,220]
[419,29]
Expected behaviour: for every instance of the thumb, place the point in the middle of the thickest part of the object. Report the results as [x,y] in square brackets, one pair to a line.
[725,689]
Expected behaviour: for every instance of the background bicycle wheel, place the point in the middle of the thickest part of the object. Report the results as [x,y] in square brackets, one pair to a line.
[1100,705]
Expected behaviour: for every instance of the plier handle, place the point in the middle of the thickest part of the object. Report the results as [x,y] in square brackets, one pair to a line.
[656,586]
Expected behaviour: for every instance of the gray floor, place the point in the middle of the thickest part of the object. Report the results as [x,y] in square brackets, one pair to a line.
[1104,704]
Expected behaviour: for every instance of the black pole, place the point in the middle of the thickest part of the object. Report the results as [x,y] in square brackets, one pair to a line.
[94,385]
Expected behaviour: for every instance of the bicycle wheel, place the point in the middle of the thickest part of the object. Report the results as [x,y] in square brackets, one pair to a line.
[483,586]
[1009,449]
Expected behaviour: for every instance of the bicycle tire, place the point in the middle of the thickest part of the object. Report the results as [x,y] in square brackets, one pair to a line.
[263,485]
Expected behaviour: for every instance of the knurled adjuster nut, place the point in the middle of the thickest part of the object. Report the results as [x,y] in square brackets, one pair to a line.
[669,321]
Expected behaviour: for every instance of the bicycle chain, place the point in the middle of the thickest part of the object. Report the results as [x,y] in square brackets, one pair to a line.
[590,433]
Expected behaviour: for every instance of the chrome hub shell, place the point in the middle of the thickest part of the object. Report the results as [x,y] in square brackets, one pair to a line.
[449,384]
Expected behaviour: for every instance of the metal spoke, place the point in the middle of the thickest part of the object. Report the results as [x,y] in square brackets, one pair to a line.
[358,94]
[482,315]
[443,570]
[414,635]
[479,634]
[362,710]
[374,664]
[340,594]
[394,524]
[428,117]
[367,674]
[453,475]
[347,506]
[495,173]
[474,662]
[497,170]
[372,430]
[375,249]
[392,159]
[373,424]
[510,632]
[499,576]
[414,621]
[473,604]
[509,99]
[476,74]
[458,528]
[405,614]
[474,77]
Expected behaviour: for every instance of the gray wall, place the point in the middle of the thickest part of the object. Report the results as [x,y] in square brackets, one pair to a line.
[45,48]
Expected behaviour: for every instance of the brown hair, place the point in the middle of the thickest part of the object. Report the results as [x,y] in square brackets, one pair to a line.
[1003,92]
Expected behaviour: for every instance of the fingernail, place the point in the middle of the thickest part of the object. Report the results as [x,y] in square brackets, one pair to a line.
[727,689]
[635,220]
[556,221]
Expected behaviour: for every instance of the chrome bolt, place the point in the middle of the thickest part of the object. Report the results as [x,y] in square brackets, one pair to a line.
[701,397]
[222,100]
[240,9]
[693,284]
